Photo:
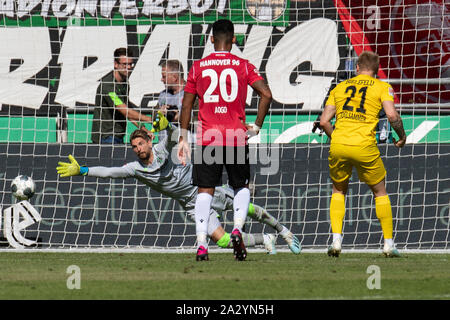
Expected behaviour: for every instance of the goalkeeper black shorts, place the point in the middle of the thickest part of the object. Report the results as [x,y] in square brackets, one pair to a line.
[209,162]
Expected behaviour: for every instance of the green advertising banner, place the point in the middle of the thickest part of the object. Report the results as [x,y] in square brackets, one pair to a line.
[276,129]
[297,129]
[63,13]
[58,50]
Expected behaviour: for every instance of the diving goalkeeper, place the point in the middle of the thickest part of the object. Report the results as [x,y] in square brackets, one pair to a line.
[156,169]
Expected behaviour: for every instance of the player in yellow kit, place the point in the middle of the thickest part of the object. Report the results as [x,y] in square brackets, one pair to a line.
[356,104]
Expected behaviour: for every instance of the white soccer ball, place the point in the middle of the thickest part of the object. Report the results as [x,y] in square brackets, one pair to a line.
[23,187]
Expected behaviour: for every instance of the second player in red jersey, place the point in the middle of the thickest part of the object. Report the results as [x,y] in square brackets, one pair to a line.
[220,81]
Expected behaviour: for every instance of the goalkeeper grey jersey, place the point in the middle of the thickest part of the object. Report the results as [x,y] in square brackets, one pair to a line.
[163,174]
[168,177]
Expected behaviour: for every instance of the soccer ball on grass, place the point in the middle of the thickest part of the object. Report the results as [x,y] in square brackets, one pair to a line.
[23,187]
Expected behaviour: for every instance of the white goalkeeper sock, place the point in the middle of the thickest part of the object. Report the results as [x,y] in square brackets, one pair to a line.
[240,204]
[202,208]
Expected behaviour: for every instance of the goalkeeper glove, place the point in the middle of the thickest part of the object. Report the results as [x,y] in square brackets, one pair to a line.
[66,169]
[161,123]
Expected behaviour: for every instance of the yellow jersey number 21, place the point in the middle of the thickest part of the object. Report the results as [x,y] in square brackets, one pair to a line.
[362,92]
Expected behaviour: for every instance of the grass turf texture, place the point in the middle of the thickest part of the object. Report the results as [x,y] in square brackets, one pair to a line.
[174,276]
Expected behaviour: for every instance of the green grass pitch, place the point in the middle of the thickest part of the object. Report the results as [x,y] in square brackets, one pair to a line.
[175,276]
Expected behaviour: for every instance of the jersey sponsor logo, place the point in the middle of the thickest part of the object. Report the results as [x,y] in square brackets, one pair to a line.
[361,82]
[220,109]
[351,115]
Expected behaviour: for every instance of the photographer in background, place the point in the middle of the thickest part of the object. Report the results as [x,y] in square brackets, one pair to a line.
[112,106]
[169,100]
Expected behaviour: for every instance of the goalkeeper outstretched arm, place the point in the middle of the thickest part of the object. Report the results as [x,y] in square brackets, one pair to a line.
[72,168]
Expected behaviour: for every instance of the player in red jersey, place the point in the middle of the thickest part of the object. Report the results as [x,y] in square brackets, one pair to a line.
[220,81]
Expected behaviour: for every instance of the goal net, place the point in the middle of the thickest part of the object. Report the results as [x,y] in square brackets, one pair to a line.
[55,52]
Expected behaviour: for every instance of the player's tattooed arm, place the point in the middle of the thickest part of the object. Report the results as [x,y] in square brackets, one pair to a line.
[397,125]
[396,122]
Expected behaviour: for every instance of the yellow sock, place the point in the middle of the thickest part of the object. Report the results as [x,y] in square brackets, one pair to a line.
[384,214]
[337,212]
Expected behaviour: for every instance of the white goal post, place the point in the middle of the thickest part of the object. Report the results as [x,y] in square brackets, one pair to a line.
[56,52]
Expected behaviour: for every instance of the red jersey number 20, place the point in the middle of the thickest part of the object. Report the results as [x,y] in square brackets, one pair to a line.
[221,81]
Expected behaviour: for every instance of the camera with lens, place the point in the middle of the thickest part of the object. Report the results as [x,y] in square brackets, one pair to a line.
[171,113]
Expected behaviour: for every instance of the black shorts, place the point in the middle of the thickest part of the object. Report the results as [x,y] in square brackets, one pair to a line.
[210,160]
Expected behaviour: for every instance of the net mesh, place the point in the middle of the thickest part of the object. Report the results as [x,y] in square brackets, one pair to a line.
[57,51]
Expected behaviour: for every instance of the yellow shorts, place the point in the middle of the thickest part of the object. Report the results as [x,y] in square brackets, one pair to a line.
[366,160]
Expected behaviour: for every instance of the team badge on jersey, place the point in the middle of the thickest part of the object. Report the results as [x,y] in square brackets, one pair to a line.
[266,10]
[391,92]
